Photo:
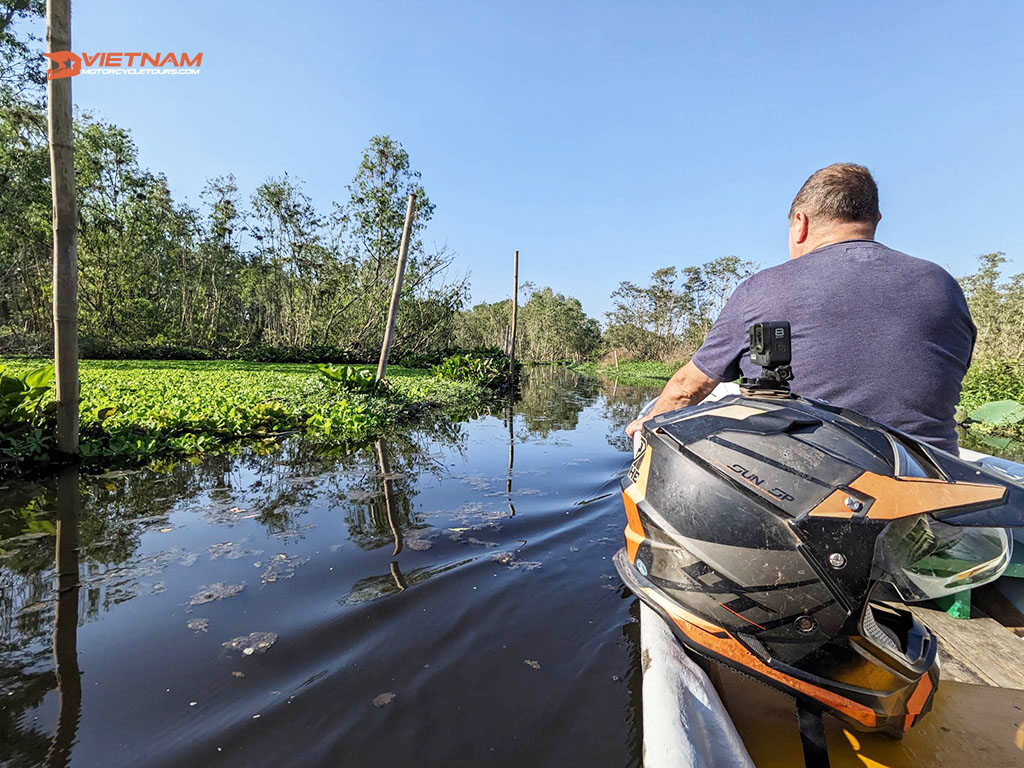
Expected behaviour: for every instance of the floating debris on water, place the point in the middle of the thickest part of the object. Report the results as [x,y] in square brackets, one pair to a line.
[236,673]
[219,591]
[481,542]
[532,663]
[224,515]
[383,699]
[358,494]
[474,510]
[198,625]
[189,559]
[455,534]
[254,643]
[158,588]
[418,539]
[509,559]
[294,533]
[231,550]
[281,567]
[477,482]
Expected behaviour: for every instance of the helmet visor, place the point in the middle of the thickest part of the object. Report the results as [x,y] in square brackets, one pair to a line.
[925,559]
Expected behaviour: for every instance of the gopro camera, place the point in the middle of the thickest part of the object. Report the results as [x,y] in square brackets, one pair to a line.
[770,344]
[770,349]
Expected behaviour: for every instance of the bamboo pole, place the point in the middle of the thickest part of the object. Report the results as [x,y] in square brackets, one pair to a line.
[65,249]
[515,312]
[403,250]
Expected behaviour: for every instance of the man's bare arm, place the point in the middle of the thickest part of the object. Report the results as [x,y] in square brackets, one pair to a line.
[688,386]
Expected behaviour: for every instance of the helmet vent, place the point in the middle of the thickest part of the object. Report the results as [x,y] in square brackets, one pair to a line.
[873,631]
[756,646]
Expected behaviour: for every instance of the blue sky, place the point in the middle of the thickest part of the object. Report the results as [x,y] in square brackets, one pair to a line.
[603,140]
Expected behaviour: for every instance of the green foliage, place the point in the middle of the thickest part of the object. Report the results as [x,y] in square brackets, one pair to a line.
[21,394]
[999,413]
[271,275]
[352,378]
[486,370]
[996,306]
[421,360]
[551,327]
[136,411]
[634,373]
[669,318]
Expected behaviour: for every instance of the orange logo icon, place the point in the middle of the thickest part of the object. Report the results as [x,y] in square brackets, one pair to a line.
[68,64]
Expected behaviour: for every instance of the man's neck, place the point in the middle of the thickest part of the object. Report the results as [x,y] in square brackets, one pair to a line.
[838,234]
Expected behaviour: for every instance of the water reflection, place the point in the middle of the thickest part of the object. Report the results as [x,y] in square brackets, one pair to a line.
[462,547]
[65,621]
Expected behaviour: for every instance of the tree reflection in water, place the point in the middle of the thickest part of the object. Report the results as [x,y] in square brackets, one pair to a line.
[96,524]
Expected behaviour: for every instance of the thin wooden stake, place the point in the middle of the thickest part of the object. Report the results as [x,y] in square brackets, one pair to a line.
[403,250]
[65,247]
[515,312]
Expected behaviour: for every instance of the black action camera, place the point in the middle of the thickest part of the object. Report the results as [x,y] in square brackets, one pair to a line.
[769,344]
[770,349]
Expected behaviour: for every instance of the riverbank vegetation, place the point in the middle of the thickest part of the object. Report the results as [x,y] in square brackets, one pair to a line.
[133,411]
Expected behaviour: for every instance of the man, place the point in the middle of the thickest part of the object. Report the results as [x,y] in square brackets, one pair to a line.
[873,329]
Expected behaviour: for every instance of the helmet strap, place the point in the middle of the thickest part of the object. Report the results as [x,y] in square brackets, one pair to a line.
[812,736]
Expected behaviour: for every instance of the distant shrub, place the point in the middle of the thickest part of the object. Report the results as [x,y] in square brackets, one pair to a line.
[485,370]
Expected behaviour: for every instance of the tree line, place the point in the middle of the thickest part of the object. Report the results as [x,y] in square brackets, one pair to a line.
[269,273]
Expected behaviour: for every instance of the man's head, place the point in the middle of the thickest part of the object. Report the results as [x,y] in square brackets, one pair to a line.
[836,203]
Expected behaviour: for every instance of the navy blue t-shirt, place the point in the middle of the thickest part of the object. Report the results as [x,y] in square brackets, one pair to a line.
[875,330]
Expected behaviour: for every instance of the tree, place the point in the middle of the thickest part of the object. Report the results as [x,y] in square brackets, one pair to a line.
[669,318]
[552,327]
[22,73]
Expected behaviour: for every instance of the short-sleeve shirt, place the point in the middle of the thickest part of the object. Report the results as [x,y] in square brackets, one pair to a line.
[873,329]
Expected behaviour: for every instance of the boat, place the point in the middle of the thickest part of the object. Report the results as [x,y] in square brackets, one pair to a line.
[698,713]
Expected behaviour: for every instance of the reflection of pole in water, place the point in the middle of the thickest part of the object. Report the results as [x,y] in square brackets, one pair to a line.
[65,630]
[511,455]
[396,574]
[389,495]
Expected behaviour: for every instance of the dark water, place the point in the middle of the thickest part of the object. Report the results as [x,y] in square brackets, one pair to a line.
[430,605]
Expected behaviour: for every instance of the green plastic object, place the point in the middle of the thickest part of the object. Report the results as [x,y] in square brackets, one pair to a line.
[958,606]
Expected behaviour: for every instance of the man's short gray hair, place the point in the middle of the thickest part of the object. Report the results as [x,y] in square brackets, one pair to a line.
[840,192]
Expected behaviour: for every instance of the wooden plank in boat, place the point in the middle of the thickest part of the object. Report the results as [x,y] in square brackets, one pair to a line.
[969,725]
[983,646]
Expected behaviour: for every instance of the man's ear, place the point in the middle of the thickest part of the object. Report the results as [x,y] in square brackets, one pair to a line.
[800,228]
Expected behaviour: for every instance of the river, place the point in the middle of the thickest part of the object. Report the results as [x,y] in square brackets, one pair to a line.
[443,597]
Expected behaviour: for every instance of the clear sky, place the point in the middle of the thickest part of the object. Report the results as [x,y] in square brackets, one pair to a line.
[603,140]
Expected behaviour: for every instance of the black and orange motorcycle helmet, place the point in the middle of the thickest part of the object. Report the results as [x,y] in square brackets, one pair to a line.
[774,534]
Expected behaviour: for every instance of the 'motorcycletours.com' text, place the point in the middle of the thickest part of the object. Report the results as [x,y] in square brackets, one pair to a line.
[122,63]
